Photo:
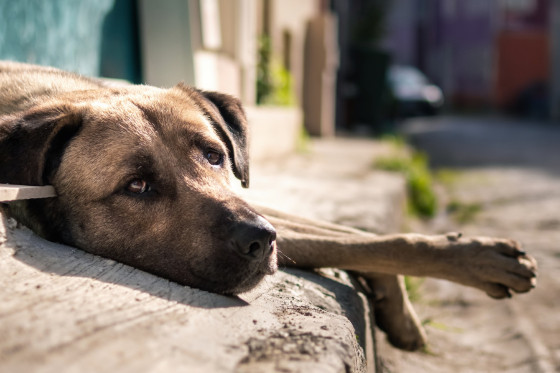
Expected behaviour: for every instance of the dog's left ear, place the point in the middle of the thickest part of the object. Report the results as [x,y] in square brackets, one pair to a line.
[229,120]
[233,129]
[32,143]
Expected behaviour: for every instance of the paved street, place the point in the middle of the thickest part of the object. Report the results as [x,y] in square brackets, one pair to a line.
[505,179]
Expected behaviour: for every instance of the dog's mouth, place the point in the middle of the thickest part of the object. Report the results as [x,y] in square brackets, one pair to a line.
[268,266]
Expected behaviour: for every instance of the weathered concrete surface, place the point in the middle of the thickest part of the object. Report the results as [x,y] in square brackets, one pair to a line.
[64,310]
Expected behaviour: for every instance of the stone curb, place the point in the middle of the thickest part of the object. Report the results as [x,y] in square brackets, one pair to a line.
[65,310]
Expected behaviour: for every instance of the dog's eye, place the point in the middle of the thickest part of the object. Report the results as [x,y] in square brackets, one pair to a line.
[138,186]
[214,158]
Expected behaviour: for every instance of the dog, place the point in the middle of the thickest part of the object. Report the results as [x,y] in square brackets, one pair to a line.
[143,176]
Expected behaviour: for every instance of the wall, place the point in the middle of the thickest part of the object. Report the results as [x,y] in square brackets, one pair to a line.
[401,31]
[460,49]
[120,45]
[480,52]
[523,59]
[60,33]
[166,42]
[292,16]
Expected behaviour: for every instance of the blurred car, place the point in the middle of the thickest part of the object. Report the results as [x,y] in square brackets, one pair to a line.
[412,92]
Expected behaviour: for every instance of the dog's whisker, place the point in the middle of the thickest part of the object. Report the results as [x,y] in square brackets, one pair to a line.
[285,256]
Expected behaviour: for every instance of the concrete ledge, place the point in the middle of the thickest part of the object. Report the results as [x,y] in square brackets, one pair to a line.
[64,310]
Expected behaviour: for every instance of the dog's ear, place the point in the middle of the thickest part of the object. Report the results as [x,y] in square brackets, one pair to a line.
[228,118]
[32,143]
[233,129]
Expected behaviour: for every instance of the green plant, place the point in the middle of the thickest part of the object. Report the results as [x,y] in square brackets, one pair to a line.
[302,141]
[274,81]
[463,212]
[264,79]
[448,177]
[397,142]
[413,285]
[442,326]
[420,186]
[414,166]
[282,92]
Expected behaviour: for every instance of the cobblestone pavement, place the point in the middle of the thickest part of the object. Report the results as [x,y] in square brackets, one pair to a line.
[505,181]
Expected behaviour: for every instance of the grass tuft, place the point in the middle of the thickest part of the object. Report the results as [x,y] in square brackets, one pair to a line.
[414,166]
[463,212]
[413,285]
[303,141]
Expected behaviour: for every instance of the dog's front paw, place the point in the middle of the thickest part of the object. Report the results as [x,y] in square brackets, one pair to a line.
[496,266]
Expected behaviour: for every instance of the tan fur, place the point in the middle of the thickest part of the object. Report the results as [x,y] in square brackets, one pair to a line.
[89,141]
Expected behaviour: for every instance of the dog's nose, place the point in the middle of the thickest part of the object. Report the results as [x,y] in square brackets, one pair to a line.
[254,239]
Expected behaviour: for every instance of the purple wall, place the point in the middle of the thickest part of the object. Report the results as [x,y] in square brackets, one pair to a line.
[454,41]
[459,53]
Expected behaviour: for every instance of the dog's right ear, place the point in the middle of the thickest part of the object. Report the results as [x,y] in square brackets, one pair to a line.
[32,143]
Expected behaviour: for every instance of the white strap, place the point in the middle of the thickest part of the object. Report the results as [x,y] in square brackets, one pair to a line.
[10,192]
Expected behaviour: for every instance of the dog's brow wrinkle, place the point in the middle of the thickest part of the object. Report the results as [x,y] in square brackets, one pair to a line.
[184,123]
[203,105]
[150,116]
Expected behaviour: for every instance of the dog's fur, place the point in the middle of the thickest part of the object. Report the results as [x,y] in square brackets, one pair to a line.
[142,175]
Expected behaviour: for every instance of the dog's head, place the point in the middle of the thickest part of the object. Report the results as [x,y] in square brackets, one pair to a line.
[142,176]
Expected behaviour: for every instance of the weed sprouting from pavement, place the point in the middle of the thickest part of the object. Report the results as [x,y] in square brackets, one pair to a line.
[442,326]
[303,141]
[413,285]
[448,177]
[414,166]
[463,212]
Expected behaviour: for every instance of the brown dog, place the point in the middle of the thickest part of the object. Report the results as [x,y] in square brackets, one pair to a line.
[142,176]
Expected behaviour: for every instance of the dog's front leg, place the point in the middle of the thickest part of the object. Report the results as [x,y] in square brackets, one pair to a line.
[495,266]
[492,265]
